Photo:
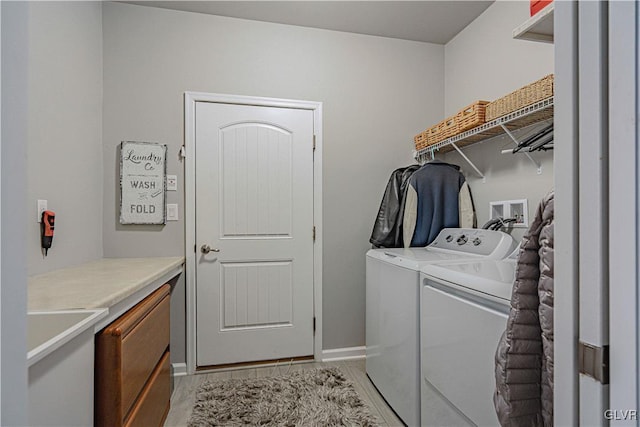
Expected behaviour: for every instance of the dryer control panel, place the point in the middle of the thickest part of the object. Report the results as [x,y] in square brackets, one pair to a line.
[495,244]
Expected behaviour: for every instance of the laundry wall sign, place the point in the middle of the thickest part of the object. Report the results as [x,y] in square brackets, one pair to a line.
[143,168]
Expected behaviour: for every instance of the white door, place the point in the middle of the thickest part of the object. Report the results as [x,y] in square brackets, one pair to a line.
[254,210]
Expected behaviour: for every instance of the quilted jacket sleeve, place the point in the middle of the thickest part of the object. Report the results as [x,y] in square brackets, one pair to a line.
[545,311]
[518,360]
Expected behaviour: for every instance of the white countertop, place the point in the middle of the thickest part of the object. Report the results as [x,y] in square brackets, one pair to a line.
[47,331]
[97,284]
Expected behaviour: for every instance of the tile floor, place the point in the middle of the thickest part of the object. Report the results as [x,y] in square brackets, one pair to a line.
[185,388]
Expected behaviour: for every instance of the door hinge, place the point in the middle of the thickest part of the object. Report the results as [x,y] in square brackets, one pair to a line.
[195,248]
[314,326]
[314,233]
[593,361]
[314,143]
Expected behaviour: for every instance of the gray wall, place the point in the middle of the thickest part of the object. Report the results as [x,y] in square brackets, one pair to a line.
[485,62]
[64,149]
[13,276]
[377,94]
[51,133]
[120,74]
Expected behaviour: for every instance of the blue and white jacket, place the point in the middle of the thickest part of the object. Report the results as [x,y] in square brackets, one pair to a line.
[437,197]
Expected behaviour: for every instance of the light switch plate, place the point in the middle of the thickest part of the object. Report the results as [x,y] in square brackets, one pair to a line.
[172,211]
[42,206]
[172,182]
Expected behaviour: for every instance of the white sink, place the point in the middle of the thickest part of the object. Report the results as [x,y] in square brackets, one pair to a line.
[49,330]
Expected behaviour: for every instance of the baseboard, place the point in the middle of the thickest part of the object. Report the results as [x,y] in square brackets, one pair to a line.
[331,355]
[179,369]
[348,353]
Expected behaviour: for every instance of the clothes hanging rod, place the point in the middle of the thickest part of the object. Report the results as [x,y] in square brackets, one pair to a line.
[516,142]
[510,150]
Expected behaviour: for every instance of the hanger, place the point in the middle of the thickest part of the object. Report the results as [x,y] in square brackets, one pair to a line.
[542,143]
[535,137]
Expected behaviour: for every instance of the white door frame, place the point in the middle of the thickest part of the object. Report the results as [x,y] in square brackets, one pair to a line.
[190,99]
[586,401]
[624,231]
[593,188]
[566,393]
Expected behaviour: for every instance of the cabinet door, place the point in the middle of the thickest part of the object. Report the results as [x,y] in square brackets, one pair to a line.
[141,349]
[127,352]
[153,405]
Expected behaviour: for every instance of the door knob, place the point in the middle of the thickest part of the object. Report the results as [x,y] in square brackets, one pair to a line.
[205,249]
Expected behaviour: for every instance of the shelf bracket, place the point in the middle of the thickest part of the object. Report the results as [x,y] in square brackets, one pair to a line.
[515,141]
[480,174]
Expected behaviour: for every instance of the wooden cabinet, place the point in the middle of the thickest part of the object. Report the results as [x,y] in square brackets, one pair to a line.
[132,383]
[148,410]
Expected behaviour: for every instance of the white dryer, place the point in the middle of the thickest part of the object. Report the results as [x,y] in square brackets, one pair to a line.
[393,309]
[464,311]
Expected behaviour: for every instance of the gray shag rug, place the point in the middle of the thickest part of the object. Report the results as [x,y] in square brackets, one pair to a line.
[315,397]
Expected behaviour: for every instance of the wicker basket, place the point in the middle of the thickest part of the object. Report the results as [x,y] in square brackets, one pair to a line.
[527,95]
[428,137]
[433,134]
[436,133]
[471,116]
[447,128]
[420,140]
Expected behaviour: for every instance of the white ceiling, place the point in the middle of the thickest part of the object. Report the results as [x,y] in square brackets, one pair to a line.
[426,21]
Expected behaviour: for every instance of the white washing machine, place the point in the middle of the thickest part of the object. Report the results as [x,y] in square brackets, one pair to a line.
[464,311]
[393,309]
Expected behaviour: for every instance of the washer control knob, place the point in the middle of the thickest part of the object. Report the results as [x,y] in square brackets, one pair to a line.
[449,238]
[476,241]
[462,240]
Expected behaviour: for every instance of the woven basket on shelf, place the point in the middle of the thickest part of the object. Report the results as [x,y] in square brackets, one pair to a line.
[432,135]
[420,140]
[527,95]
[471,116]
[447,128]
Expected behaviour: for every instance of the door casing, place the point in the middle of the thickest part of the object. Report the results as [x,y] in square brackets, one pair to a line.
[582,153]
[190,99]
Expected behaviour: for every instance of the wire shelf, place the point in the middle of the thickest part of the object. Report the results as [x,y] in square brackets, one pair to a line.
[534,113]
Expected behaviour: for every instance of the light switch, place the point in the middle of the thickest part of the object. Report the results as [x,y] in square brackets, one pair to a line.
[172,182]
[172,211]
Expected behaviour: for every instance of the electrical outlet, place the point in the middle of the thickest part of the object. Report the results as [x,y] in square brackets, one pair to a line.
[172,182]
[42,206]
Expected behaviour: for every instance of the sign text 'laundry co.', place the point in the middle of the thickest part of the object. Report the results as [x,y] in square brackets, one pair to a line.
[143,167]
